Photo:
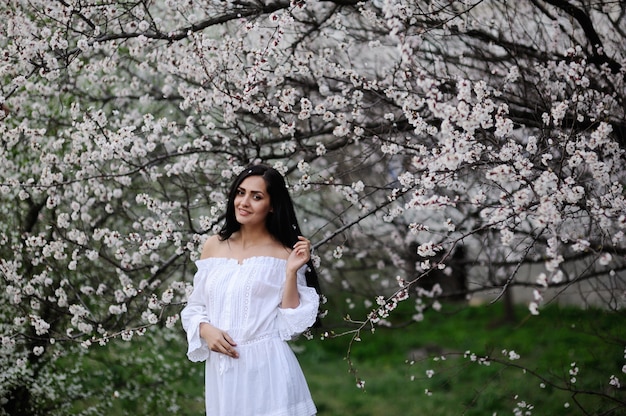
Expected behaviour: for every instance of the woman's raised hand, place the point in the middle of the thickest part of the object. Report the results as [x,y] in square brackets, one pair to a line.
[300,254]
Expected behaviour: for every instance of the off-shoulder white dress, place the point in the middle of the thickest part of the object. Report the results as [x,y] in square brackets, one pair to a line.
[243,299]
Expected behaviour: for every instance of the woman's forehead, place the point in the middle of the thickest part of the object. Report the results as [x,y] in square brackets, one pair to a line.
[254,183]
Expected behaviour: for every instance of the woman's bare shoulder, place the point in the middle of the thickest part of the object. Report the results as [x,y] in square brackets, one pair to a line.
[279,250]
[212,246]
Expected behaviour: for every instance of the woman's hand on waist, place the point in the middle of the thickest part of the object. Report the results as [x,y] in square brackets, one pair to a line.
[218,340]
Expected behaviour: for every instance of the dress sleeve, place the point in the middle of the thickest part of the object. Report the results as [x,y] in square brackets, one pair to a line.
[192,315]
[294,321]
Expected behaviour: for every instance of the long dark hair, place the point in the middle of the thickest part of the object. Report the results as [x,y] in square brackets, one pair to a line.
[281,222]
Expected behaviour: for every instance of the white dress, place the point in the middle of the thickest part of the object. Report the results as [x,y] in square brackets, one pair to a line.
[243,300]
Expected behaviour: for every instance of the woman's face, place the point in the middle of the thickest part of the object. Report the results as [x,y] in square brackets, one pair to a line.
[252,202]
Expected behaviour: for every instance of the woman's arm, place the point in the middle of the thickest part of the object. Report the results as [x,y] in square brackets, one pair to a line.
[216,339]
[299,256]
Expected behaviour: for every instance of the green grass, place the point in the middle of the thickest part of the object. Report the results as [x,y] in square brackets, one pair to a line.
[396,382]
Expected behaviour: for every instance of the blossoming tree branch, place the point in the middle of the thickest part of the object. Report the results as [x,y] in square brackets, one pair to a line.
[478,142]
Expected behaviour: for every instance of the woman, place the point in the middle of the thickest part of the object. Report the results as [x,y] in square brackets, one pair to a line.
[254,289]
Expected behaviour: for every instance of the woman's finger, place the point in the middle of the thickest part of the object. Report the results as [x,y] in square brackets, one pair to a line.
[229,339]
[228,346]
[230,351]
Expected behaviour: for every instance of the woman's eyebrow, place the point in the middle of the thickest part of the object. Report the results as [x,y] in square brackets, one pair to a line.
[241,188]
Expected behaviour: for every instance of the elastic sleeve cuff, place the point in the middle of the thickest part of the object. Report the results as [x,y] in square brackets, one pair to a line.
[198,349]
[294,321]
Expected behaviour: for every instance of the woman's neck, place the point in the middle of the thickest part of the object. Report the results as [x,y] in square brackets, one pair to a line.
[248,237]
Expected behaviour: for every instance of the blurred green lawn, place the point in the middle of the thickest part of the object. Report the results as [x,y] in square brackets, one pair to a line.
[392,363]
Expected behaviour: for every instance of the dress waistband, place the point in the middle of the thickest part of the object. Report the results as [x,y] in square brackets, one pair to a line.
[259,338]
[226,362]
